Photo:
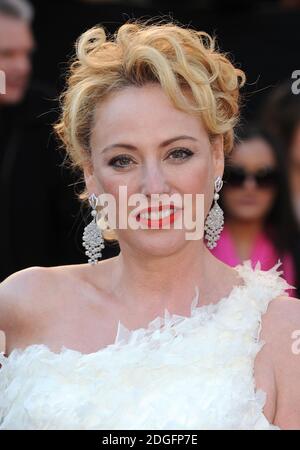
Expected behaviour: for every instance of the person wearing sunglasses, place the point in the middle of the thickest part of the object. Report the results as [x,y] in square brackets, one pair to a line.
[259,222]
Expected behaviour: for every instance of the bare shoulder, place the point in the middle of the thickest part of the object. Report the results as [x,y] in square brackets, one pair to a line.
[282,316]
[19,293]
[280,324]
[33,292]
[281,333]
[50,304]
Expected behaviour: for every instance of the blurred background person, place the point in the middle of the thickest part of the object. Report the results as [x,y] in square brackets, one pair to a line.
[17,45]
[281,117]
[259,221]
[38,204]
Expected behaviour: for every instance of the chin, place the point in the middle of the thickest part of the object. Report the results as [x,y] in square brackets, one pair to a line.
[158,242]
[250,216]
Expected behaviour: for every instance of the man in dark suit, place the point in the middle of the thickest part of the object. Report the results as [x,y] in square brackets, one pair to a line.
[41,221]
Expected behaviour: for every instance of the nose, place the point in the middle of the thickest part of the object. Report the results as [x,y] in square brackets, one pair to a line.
[250,182]
[154,180]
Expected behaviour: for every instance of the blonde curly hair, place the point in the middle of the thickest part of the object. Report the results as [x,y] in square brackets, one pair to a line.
[140,52]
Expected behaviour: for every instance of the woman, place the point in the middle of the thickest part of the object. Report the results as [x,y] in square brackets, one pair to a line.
[259,222]
[164,335]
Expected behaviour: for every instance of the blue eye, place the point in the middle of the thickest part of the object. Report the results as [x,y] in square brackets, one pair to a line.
[120,161]
[180,153]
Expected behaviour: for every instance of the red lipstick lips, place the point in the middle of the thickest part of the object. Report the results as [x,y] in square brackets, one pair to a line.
[158,217]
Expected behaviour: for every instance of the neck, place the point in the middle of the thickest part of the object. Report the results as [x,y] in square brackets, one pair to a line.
[166,281]
[244,230]
[244,235]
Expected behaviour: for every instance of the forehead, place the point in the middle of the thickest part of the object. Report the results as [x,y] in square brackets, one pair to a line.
[253,153]
[142,112]
[14,32]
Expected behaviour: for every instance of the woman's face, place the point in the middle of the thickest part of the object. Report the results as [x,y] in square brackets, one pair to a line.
[135,142]
[250,200]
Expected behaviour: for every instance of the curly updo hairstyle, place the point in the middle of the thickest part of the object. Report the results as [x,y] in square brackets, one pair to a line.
[140,52]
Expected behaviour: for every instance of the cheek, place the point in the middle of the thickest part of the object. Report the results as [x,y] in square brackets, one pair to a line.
[110,186]
[266,197]
[230,198]
[197,179]
[108,181]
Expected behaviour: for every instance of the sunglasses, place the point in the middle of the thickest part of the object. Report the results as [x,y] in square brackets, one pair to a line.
[236,176]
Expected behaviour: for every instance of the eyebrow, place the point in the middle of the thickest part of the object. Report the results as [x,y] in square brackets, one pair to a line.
[163,144]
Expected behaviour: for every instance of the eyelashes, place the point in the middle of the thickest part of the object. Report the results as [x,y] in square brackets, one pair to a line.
[180,152]
[124,161]
[115,162]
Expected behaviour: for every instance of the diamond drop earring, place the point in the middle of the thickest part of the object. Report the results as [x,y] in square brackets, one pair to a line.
[92,238]
[215,219]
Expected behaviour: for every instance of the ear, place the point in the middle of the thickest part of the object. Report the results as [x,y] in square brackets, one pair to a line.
[218,159]
[90,179]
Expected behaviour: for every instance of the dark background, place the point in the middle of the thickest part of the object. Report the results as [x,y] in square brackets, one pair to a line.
[263,38]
